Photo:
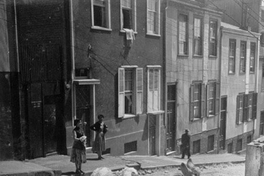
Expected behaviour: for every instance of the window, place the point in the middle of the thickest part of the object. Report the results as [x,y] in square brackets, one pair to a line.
[153,17]
[240,108]
[196,146]
[239,145]
[130,147]
[232,56]
[183,34]
[213,93]
[262,79]
[153,89]
[128,14]
[230,147]
[213,38]
[130,88]
[249,138]
[197,36]
[252,57]
[210,144]
[246,107]
[101,14]
[243,56]
[261,129]
[197,101]
[262,15]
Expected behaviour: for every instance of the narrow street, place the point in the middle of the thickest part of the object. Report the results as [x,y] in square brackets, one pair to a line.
[214,170]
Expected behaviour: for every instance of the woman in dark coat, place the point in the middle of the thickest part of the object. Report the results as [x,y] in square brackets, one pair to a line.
[78,155]
[99,144]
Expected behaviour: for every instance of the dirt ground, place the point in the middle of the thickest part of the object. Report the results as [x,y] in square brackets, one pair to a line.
[213,170]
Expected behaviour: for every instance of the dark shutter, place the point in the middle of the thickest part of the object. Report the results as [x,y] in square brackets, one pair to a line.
[207,99]
[217,98]
[254,105]
[237,109]
[245,109]
[191,103]
[203,101]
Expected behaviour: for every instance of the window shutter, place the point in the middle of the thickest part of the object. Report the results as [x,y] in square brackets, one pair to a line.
[203,101]
[237,109]
[139,87]
[191,103]
[254,105]
[207,98]
[217,98]
[245,110]
[121,92]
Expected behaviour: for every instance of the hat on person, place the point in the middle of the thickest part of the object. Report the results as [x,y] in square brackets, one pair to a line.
[186,130]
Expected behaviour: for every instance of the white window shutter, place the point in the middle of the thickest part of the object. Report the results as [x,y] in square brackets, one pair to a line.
[139,87]
[121,92]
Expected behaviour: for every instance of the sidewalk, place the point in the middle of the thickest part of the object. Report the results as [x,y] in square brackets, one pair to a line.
[61,165]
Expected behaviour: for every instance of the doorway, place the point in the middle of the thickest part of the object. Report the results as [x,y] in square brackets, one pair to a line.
[44,118]
[171,118]
[222,134]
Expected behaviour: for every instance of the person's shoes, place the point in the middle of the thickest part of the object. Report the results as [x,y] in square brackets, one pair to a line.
[100,157]
[77,171]
[81,171]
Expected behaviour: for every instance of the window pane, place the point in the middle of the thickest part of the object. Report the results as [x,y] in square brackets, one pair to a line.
[128,80]
[127,3]
[252,57]
[171,92]
[127,18]
[182,34]
[156,80]
[99,16]
[151,83]
[232,53]
[243,57]
[213,36]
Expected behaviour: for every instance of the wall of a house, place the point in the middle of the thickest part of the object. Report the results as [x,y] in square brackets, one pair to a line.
[232,85]
[187,69]
[107,57]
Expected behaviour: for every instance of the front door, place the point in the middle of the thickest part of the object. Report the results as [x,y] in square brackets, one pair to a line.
[83,110]
[222,134]
[152,134]
[171,121]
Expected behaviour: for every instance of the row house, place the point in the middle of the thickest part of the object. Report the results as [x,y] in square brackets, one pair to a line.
[78,59]
[118,46]
[242,54]
[193,74]
[239,95]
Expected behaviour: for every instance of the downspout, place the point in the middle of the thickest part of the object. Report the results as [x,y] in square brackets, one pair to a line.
[72,59]
[17,51]
[220,71]
[165,73]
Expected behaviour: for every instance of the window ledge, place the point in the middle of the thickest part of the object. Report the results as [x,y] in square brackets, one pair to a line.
[101,28]
[197,56]
[156,112]
[127,116]
[210,116]
[196,119]
[183,56]
[212,57]
[123,31]
[152,34]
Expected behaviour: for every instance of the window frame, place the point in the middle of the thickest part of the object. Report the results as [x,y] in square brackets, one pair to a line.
[107,13]
[133,18]
[153,89]
[262,78]
[240,108]
[196,38]
[232,56]
[137,92]
[261,123]
[243,57]
[215,99]
[185,50]
[156,28]
[252,54]
[200,101]
[215,37]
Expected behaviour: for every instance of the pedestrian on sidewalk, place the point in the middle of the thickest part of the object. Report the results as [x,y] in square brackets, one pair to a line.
[99,143]
[185,146]
[78,154]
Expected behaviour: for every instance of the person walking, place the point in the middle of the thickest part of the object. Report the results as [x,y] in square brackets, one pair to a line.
[99,143]
[78,154]
[185,147]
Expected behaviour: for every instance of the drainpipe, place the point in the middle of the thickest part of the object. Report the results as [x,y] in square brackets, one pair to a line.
[72,57]
[220,67]
[17,51]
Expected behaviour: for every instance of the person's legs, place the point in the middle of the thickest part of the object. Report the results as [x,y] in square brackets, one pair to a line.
[183,151]
[188,152]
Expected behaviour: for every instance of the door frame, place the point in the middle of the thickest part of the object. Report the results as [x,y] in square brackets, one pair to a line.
[222,138]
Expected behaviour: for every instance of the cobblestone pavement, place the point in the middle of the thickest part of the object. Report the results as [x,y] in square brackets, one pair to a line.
[213,170]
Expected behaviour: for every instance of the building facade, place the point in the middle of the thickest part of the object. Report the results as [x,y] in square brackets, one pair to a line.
[193,74]
[239,92]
